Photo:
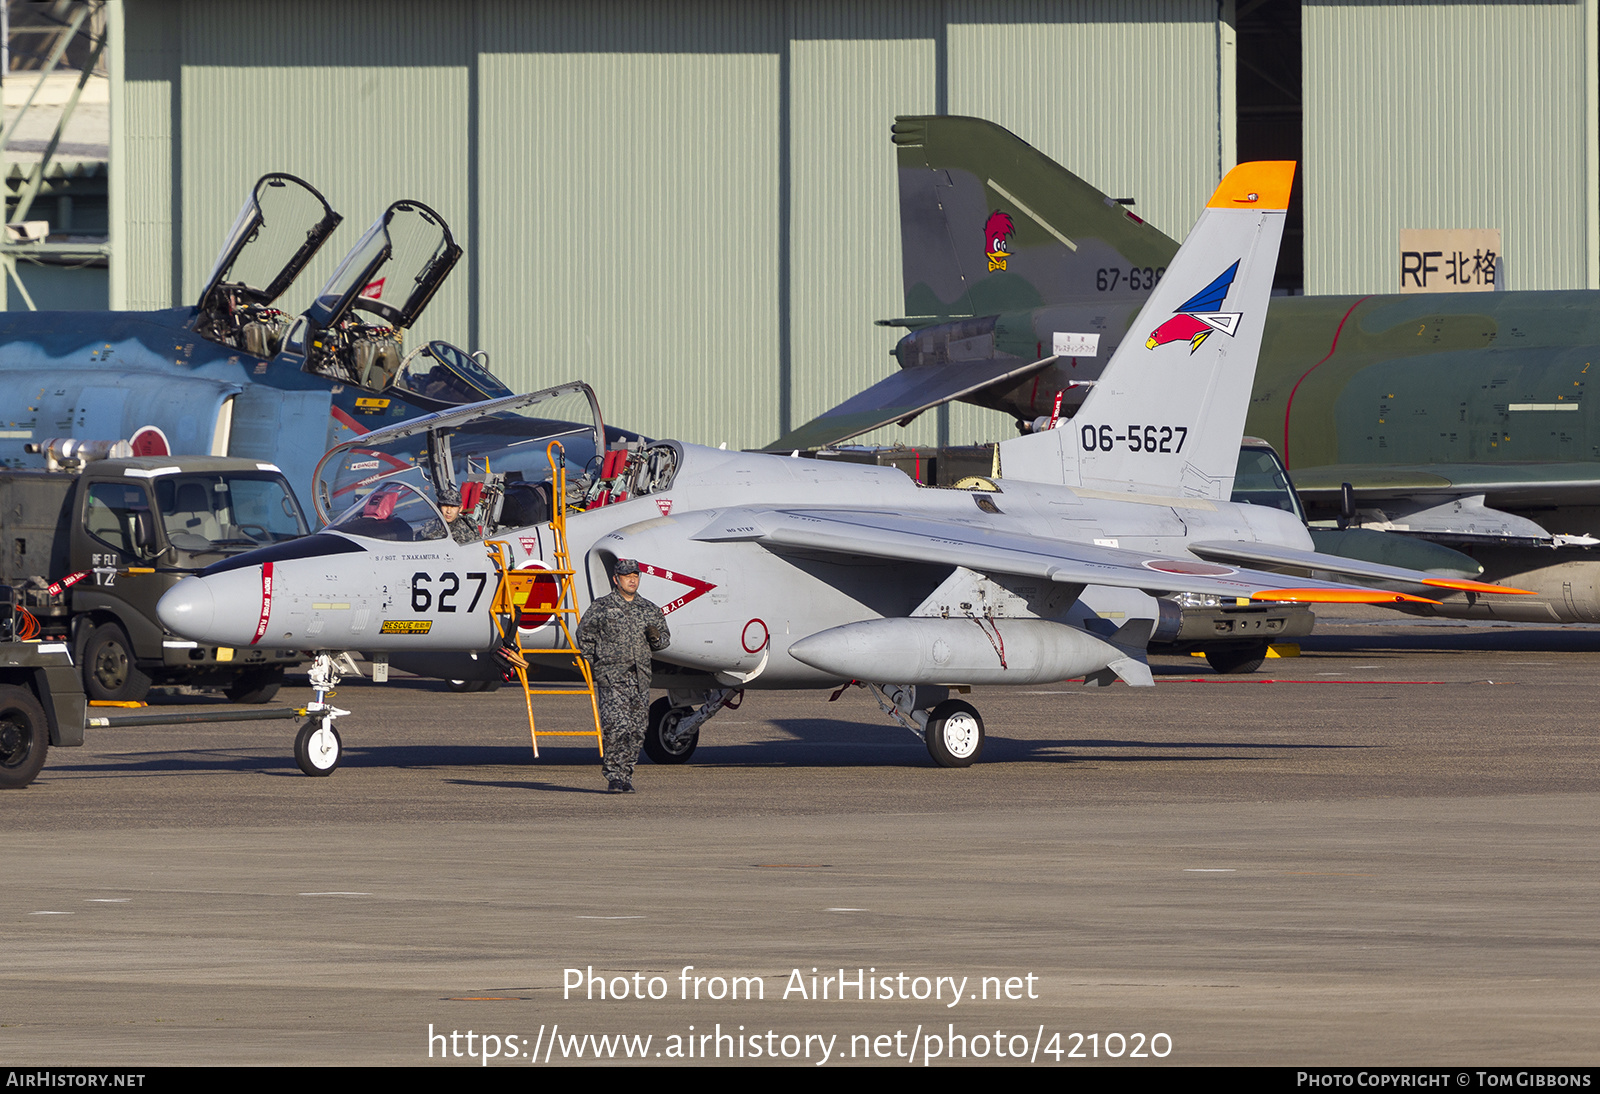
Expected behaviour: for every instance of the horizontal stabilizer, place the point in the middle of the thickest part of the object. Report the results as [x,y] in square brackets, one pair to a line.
[901,397]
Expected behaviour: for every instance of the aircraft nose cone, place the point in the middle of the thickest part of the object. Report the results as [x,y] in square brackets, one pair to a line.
[188,609]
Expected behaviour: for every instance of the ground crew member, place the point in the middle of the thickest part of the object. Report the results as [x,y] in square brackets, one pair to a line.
[617,635]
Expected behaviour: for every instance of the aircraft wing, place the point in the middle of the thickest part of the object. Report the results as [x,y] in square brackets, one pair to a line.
[903,396]
[1502,484]
[981,547]
[1273,557]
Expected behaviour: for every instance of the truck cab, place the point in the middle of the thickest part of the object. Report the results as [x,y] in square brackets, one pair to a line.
[91,546]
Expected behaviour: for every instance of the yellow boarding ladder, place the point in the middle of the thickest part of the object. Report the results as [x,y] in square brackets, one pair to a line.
[545,592]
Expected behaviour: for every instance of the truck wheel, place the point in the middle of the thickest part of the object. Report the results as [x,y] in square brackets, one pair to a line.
[109,670]
[24,737]
[255,686]
[1237,660]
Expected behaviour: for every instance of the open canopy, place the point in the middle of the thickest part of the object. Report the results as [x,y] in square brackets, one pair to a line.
[509,435]
[284,222]
[393,270]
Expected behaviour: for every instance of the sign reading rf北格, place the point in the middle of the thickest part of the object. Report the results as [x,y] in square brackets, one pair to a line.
[1450,260]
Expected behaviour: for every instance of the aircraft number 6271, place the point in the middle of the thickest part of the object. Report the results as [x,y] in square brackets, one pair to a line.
[423,597]
[1138,438]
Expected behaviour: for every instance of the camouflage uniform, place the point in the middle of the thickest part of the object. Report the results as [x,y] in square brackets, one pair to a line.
[461,529]
[617,637]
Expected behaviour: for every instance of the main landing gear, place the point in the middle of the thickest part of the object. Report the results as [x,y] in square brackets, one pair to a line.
[1238,660]
[952,729]
[674,728]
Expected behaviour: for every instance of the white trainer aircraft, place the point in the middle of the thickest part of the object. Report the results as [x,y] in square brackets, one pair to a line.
[795,573]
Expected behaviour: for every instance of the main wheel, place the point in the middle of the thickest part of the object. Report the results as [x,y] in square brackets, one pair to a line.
[255,685]
[662,741]
[109,670]
[954,734]
[318,749]
[24,737]
[1237,660]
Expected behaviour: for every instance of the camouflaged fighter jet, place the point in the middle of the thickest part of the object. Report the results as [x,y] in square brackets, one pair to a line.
[235,376]
[1456,419]
[794,573]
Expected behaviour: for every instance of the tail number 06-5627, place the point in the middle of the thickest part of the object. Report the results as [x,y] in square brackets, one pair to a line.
[423,597]
[1138,438]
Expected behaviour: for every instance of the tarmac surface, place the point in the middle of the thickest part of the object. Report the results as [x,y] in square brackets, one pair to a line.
[1383,851]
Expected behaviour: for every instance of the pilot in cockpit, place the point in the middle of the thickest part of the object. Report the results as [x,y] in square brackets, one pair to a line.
[461,527]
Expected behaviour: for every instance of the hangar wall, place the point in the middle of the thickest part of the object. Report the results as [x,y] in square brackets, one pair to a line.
[1480,114]
[691,204]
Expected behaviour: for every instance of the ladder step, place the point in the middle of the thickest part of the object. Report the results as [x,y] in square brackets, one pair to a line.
[520,583]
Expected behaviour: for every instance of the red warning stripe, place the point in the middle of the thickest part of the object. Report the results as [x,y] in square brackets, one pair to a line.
[266,601]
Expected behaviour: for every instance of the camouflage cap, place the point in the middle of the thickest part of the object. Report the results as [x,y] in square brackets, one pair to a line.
[625,566]
[449,494]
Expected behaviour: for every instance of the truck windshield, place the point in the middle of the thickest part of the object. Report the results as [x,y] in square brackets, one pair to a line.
[227,511]
[1261,480]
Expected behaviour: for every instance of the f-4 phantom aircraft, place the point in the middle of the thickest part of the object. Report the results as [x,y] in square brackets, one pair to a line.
[1459,419]
[235,376]
[791,573]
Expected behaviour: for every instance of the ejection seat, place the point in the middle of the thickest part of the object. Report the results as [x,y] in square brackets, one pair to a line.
[377,520]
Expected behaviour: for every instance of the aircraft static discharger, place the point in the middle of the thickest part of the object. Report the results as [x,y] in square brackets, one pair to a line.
[234,375]
[790,573]
[1456,419]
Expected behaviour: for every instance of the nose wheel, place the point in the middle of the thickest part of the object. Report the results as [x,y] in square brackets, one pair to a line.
[317,747]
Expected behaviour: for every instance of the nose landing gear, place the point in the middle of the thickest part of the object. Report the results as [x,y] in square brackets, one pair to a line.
[317,747]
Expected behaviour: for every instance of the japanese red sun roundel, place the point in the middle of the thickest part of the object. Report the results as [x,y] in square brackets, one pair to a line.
[997,230]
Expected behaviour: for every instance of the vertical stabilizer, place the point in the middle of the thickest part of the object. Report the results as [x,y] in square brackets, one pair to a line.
[989,224]
[1167,414]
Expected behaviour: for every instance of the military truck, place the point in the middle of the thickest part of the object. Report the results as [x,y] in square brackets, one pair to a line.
[41,698]
[91,544]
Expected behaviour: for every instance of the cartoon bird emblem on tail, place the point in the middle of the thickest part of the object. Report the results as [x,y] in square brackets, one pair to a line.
[996,230]
[1197,316]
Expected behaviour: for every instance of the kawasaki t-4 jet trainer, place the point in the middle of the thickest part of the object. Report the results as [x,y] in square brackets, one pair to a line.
[234,375]
[794,573]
